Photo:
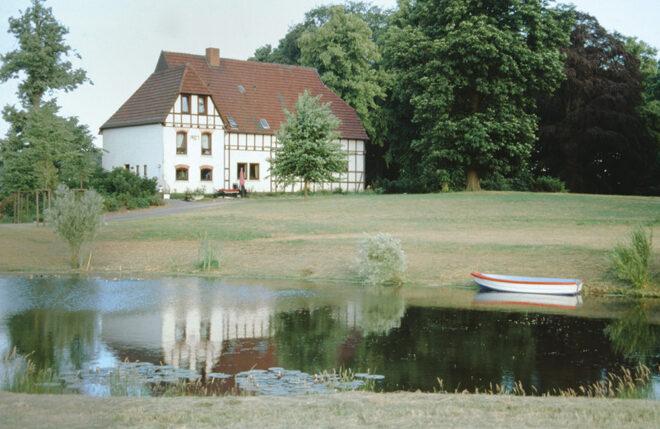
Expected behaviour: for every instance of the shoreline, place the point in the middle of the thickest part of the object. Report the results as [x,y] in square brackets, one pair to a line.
[349,409]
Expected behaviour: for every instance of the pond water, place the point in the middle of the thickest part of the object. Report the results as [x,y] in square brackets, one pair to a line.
[275,340]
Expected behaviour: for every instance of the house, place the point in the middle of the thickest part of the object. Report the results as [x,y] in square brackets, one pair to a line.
[199,119]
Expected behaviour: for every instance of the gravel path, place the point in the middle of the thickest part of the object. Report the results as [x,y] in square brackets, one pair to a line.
[171,207]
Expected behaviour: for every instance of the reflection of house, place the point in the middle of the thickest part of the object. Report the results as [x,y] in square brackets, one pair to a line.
[192,338]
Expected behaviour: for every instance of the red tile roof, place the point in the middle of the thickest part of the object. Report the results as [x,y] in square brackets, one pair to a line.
[267,89]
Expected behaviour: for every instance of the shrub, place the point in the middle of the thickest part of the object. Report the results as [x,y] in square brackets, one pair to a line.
[381,260]
[631,262]
[75,218]
[207,255]
[111,203]
[547,184]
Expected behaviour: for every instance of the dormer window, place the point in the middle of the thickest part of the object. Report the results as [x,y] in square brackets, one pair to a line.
[201,105]
[185,103]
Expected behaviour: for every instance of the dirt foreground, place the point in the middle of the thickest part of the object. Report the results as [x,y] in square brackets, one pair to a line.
[343,410]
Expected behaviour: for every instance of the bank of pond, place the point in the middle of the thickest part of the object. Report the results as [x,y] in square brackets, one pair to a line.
[197,336]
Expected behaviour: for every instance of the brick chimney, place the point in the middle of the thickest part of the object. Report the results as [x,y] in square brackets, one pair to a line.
[213,56]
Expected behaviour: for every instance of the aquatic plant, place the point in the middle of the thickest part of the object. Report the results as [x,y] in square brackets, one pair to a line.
[207,254]
[625,383]
[381,260]
[631,262]
[19,374]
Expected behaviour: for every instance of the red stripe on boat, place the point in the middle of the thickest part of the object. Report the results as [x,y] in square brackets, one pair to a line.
[521,282]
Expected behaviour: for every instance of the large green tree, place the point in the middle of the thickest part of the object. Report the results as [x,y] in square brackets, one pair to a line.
[593,134]
[41,56]
[287,50]
[42,148]
[343,52]
[469,72]
[308,151]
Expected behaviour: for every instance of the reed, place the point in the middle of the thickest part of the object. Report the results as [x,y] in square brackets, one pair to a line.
[631,262]
[625,383]
[208,259]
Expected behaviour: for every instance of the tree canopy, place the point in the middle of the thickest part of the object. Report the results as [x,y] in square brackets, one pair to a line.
[41,55]
[593,135]
[308,151]
[460,66]
[344,54]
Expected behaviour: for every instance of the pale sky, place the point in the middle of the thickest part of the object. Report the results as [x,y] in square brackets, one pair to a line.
[120,40]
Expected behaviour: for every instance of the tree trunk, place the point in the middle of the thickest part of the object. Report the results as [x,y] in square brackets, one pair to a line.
[75,257]
[306,187]
[473,184]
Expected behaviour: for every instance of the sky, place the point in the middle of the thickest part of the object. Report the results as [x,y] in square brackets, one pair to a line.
[120,40]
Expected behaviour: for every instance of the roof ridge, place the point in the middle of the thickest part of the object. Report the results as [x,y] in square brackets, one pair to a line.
[260,63]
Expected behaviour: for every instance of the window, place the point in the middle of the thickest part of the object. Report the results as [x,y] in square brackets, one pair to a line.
[201,105]
[206,174]
[254,171]
[241,166]
[137,170]
[181,143]
[185,104]
[144,169]
[181,172]
[264,124]
[206,143]
[127,167]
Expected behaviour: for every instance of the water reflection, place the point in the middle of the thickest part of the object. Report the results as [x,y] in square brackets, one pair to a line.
[210,327]
[634,337]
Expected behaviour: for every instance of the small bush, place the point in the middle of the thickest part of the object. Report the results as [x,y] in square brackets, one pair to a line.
[547,184]
[112,204]
[76,218]
[631,262]
[381,260]
[207,254]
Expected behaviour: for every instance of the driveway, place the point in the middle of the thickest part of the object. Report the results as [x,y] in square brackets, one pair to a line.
[171,207]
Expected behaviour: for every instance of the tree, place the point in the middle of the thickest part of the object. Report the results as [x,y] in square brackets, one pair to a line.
[40,56]
[75,218]
[308,149]
[42,148]
[592,133]
[344,54]
[470,72]
[288,52]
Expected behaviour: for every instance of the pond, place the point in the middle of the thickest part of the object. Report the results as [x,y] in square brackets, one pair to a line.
[141,337]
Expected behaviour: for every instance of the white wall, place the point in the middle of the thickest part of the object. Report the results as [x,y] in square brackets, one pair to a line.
[193,159]
[140,145]
[250,148]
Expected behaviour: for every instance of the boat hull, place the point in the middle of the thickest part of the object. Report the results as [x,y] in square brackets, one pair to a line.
[534,285]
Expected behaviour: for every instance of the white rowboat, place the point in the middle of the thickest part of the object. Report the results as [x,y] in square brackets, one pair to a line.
[540,285]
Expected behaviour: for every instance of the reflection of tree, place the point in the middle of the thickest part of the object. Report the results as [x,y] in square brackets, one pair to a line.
[308,340]
[381,312]
[633,336]
[53,339]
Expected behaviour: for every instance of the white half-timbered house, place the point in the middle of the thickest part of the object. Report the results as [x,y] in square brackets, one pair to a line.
[199,119]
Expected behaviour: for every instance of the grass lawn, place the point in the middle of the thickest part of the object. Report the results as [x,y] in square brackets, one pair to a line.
[339,410]
[446,236]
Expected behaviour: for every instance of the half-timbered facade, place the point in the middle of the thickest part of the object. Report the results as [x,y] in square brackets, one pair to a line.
[199,120]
